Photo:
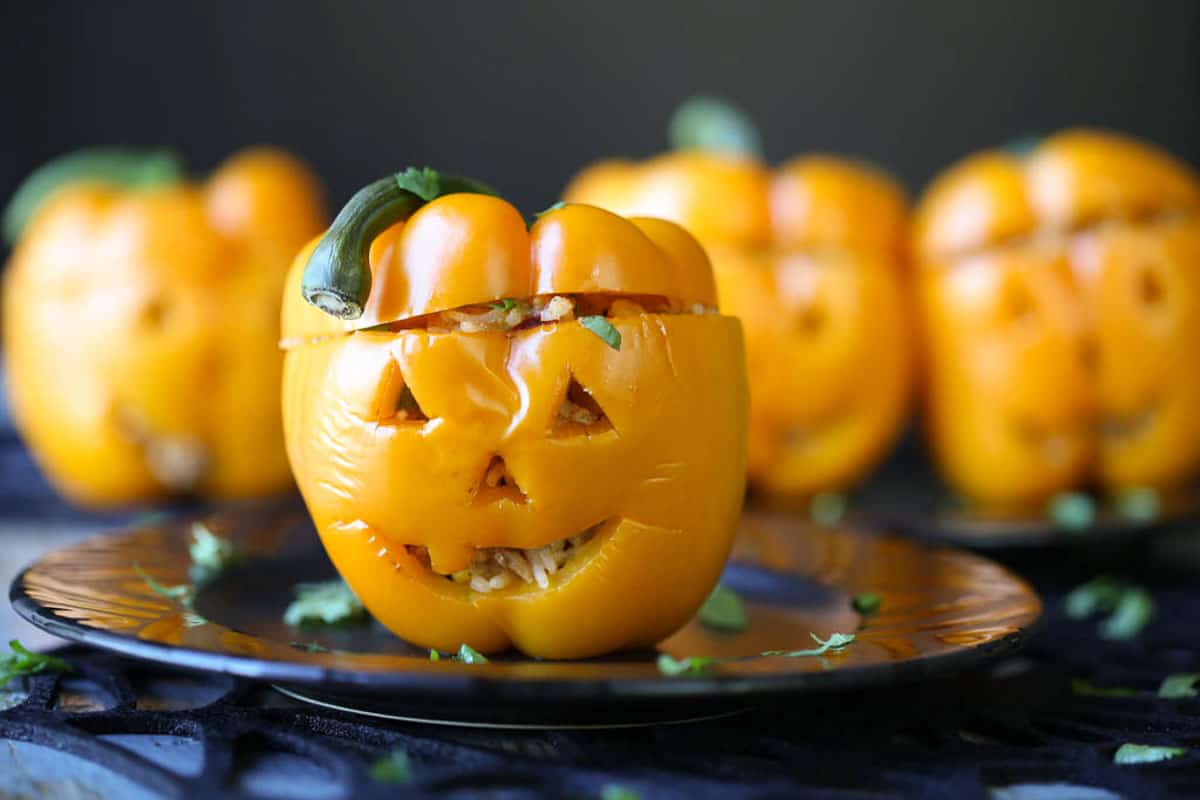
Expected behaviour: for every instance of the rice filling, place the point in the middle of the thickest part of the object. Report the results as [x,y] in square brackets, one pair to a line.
[494,568]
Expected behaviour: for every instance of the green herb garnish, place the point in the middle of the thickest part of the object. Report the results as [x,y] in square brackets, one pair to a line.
[1129,608]
[1180,685]
[21,662]
[392,768]
[425,183]
[867,603]
[690,665]
[827,508]
[1139,504]
[181,593]
[723,610]
[1098,594]
[604,329]
[1087,689]
[327,602]
[466,654]
[614,792]
[1145,753]
[506,304]
[210,554]
[699,665]
[469,655]
[311,647]
[1072,511]
[1134,611]
[836,641]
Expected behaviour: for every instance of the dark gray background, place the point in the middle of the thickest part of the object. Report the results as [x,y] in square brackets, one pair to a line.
[522,94]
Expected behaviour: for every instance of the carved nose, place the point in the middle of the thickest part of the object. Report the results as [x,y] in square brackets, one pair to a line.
[498,485]
[1089,355]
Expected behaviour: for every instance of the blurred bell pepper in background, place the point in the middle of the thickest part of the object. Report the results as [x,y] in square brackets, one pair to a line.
[1060,296]
[141,322]
[810,257]
[518,436]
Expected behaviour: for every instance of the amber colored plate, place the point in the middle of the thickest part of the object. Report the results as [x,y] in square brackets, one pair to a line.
[942,610]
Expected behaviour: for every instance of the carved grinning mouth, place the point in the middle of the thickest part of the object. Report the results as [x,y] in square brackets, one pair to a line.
[495,568]
[1128,426]
[1054,445]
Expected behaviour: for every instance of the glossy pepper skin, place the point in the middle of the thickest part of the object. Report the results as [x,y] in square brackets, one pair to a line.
[662,473]
[1061,309]
[141,328]
[809,257]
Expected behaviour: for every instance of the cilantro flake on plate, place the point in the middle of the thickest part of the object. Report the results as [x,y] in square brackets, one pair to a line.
[326,602]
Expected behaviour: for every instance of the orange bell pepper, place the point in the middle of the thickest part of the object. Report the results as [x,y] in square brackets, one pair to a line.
[809,258]
[509,436]
[141,322]
[1061,307]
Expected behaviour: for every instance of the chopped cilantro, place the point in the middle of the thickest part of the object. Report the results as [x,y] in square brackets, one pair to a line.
[311,647]
[723,610]
[210,553]
[181,593]
[604,329]
[21,662]
[690,665]
[1129,607]
[1098,594]
[1129,753]
[1134,610]
[1139,504]
[469,655]
[699,665]
[1180,685]
[466,654]
[612,791]
[836,641]
[1072,511]
[392,768]
[506,304]
[1087,689]
[867,603]
[327,602]
[827,508]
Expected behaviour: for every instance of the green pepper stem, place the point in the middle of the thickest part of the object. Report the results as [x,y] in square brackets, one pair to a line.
[706,123]
[128,168]
[337,277]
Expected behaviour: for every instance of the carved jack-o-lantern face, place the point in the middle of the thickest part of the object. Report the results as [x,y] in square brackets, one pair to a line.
[496,474]
[808,258]
[1062,310]
[141,329]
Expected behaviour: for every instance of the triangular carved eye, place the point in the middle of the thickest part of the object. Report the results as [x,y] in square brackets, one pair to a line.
[579,414]
[395,402]
[498,484]
[408,409]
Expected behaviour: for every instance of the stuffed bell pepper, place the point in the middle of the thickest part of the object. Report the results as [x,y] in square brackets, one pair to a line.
[140,322]
[511,433]
[809,257]
[1060,294]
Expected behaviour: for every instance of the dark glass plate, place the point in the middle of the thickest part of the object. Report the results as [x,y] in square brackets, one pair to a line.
[942,610]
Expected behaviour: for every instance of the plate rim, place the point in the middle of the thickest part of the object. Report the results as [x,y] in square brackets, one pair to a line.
[452,679]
